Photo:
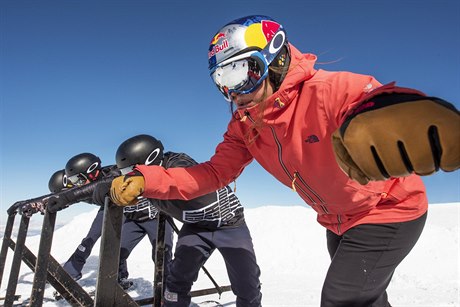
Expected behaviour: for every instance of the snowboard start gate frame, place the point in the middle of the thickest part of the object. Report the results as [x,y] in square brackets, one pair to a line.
[46,269]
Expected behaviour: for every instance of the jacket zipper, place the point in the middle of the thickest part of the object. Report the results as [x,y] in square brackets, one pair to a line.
[296,174]
[323,203]
[339,224]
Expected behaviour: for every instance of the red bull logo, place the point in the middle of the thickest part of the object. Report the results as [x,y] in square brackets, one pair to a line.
[269,28]
[218,48]
[216,38]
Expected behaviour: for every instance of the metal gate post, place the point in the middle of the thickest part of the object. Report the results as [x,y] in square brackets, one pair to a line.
[16,264]
[158,283]
[6,238]
[108,291]
[41,268]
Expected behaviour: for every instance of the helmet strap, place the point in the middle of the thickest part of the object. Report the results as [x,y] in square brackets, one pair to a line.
[279,67]
[94,176]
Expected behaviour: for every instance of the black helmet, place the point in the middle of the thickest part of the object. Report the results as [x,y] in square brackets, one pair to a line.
[140,149]
[57,181]
[82,168]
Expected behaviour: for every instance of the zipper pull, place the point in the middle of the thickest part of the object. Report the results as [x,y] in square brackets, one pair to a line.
[293,182]
[278,103]
[245,116]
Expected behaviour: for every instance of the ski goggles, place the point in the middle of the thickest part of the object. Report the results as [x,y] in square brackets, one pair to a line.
[66,182]
[241,74]
[77,180]
[80,179]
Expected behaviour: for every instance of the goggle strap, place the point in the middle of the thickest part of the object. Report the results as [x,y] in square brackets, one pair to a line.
[271,50]
[93,177]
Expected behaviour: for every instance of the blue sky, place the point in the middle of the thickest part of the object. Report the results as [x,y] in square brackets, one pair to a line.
[83,76]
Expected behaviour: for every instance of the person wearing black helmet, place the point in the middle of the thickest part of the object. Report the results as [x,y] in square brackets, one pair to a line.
[80,170]
[141,218]
[83,168]
[212,221]
[58,181]
[84,171]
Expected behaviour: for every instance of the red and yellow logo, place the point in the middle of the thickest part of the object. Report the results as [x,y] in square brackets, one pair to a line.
[216,38]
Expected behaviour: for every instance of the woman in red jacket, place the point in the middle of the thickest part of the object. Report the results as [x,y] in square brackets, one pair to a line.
[286,114]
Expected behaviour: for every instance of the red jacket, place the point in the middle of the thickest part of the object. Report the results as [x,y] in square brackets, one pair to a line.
[294,145]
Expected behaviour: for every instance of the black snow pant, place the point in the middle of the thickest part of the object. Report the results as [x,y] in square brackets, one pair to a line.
[195,245]
[364,259]
[133,232]
[77,260]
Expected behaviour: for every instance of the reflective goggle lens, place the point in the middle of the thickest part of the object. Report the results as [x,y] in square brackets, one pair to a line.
[78,179]
[233,75]
[241,76]
[127,169]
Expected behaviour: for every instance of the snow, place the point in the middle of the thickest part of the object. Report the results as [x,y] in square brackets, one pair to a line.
[291,251]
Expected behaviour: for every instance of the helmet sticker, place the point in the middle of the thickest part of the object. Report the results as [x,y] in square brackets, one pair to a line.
[218,48]
[259,34]
[254,36]
[92,167]
[269,28]
[216,38]
[153,155]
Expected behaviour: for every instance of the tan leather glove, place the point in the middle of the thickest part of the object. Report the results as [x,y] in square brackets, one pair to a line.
[396,134]
[125,189]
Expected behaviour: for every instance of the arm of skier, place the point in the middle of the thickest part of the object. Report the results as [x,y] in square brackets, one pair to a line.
[229,160]
[74,195]
[31,206]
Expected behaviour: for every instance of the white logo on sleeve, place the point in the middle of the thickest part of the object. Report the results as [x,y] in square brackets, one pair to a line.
[367,88]
[223,210]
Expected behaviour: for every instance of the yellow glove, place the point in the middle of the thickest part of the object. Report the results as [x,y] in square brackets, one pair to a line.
[397,134]
[125,189]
